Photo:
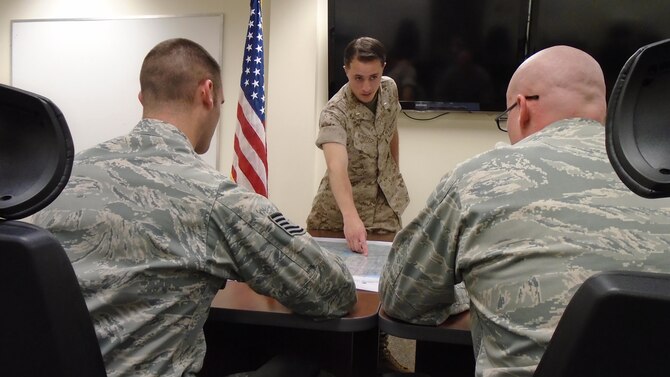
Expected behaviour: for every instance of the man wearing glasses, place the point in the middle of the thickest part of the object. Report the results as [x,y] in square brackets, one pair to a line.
[524,225]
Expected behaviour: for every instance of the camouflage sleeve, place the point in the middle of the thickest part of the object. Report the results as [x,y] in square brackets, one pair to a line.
[331,126]
[277,258]
[419,283]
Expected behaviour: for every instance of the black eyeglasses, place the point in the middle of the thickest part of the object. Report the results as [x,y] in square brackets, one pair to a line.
[501,120]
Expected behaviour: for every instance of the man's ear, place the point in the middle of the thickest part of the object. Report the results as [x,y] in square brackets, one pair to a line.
[524,113]
[206,91]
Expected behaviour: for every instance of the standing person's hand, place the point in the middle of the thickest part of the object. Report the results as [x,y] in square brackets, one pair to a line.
[354,232]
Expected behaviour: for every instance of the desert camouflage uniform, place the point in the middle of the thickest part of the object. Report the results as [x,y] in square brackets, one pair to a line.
[153,233]
[379,192]
[523,226]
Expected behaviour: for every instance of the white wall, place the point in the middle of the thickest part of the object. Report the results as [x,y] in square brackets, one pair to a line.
[296,85]
[430,149]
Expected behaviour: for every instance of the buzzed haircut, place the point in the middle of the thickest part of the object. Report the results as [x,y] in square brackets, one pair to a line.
[365,49]
[174,68]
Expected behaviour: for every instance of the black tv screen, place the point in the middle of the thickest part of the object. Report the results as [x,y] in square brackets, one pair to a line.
[443,54]
[609,30]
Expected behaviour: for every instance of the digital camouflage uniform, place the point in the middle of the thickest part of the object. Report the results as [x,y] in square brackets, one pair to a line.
[153,233]
[379,192]
[523,226]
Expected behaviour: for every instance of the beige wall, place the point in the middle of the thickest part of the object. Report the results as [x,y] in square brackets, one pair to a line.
[296,77]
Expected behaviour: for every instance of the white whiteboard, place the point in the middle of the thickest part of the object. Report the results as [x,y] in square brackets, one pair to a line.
[90,67]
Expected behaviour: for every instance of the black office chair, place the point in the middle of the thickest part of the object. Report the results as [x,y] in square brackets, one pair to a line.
[45,327]
[638,122]
[618,323]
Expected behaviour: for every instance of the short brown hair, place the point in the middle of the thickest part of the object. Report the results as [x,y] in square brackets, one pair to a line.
[174,68]
[364,49]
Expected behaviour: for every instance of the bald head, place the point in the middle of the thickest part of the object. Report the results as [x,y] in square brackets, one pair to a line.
[568,81]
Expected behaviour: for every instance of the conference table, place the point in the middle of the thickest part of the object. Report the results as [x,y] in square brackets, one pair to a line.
[244,329]
[440,350]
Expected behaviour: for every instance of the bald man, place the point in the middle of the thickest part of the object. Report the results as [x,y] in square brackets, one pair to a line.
[522,226]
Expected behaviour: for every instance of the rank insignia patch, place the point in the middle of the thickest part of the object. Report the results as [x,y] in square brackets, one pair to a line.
[286,225]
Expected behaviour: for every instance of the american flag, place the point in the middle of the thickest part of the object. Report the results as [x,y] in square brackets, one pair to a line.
[250,163]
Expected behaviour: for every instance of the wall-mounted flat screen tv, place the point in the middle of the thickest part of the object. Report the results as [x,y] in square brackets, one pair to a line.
[443,54]
[610,30]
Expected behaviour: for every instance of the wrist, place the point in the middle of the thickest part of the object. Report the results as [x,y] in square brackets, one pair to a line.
[350,216]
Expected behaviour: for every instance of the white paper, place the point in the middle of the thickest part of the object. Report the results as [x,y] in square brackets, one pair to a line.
[365,269]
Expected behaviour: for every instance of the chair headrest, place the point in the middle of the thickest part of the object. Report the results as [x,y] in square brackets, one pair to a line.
[638,122]
[36,152]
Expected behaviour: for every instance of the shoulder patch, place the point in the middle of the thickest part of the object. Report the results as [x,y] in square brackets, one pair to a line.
[287,226]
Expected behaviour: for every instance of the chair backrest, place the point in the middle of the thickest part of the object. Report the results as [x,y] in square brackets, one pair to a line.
[616,324]
[45,327]
[638,135]
[36,152]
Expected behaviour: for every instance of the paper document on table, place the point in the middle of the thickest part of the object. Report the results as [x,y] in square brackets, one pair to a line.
[365,269]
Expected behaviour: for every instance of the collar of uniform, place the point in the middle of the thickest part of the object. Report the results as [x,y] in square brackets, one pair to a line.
[157,127]
[566,128]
